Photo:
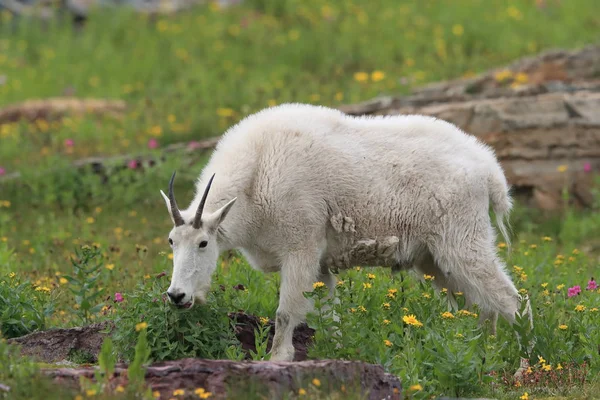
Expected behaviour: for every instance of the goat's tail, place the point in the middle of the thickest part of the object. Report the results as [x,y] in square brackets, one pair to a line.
[501,200]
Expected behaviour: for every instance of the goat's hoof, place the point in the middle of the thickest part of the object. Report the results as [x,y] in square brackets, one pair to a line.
[283,355]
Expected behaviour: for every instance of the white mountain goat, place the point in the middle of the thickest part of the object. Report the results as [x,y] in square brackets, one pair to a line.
[307,190]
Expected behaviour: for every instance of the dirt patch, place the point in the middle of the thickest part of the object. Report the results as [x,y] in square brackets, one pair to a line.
[80,345]
[246,324]
[231,379]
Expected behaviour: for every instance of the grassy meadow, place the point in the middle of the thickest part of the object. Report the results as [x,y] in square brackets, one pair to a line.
[75,250]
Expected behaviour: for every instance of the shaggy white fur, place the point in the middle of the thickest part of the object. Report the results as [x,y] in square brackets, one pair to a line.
[318,191]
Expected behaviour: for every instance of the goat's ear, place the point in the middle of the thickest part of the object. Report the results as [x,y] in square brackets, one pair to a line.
[168,203]
[213,220]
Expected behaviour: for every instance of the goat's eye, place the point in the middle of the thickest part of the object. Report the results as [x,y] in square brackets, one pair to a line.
[203,244]
[171,241]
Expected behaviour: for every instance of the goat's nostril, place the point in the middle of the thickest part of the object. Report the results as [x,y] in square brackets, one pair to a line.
[176,297]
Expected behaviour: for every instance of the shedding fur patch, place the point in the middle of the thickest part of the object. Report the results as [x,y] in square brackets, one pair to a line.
[367,252]
[342,224]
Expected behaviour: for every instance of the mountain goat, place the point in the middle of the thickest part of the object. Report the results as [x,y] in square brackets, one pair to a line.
[308,190]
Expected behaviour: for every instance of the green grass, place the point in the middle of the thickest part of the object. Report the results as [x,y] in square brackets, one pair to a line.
[191,76]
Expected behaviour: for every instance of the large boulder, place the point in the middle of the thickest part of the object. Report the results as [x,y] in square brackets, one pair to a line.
[540,114]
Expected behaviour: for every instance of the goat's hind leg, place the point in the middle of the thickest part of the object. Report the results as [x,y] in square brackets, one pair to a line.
[477,272]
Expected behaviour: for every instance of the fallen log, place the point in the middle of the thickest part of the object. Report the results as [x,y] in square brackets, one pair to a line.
[226,379]
[100,165]
[57,107]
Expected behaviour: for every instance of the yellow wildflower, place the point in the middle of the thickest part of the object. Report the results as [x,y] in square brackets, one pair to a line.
[361,76]
[560,287]
[386,321]
[502,245]
[301,392]
[110,267]
[447,315]
[580,308]
[318,285]
[547,239]
[428,277]
[411,320]
[559,367]
[427,295]
[264,320]
[458,30]
[140,326]
[362,308]
[203,394]
[367,285]
[90,220]
[387,343]
[371,276]
[91,392]
[12,275]
[416,387]
[541,360]
[377,76]
[392,293]
[63,281]
[178,392]
[524,397]
[340,283]
[225,112]
[386,306]
[119,389]
[544,285]
[521,78]
[503,75]
[514,13]
[547,367]
[517,269]
[316,382]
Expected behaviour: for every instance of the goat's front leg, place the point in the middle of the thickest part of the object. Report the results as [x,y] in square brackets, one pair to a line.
[298,273]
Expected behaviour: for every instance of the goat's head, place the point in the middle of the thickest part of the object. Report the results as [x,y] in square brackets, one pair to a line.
[195,249]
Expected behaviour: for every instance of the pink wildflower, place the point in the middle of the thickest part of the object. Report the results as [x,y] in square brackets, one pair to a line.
[574,291]
[592,285]
[132,164]
[69,142]
[118,297]
[587,167]
[152,143]
[193,145]
[2,171]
